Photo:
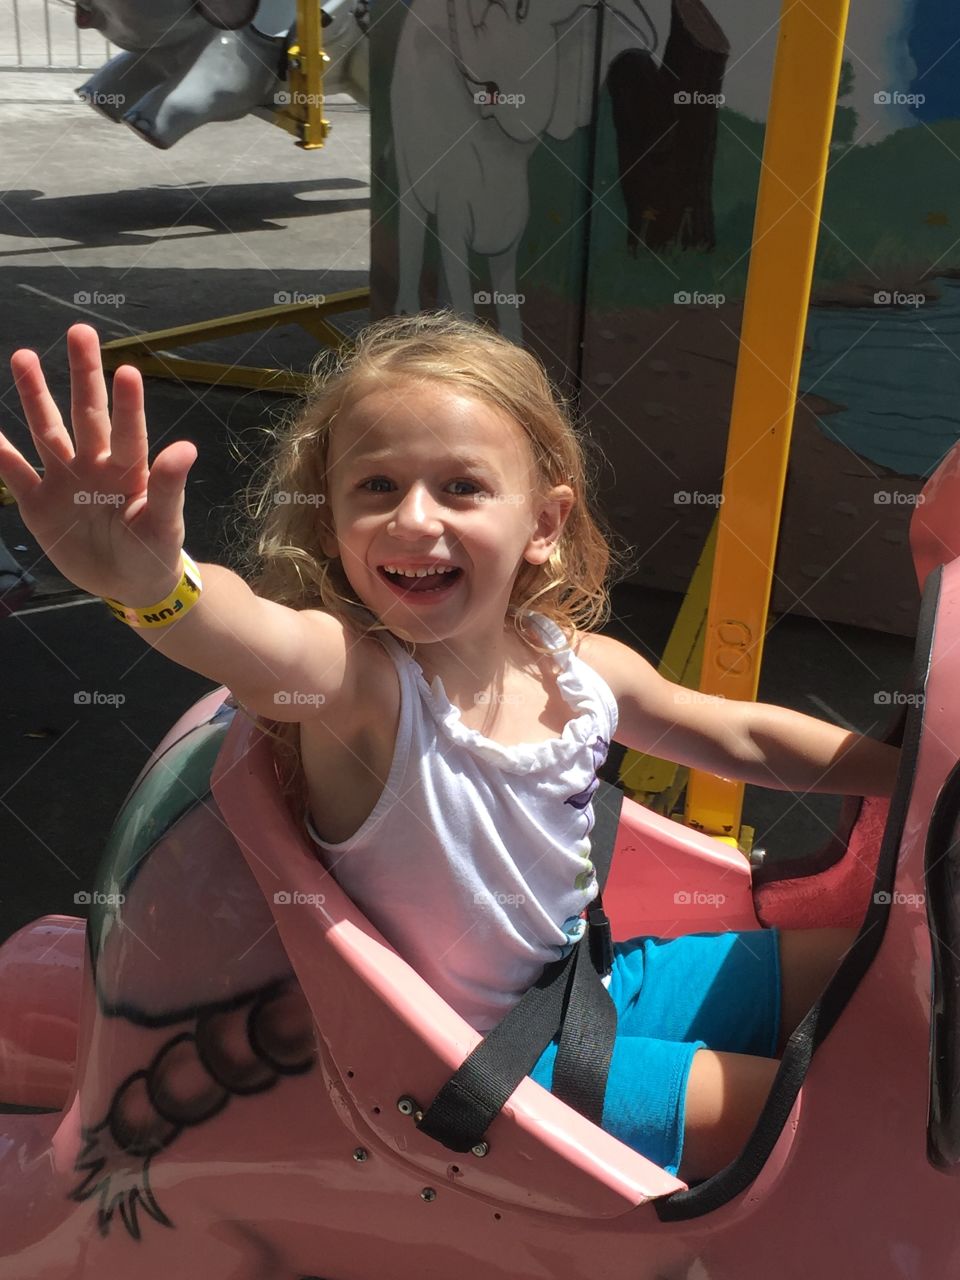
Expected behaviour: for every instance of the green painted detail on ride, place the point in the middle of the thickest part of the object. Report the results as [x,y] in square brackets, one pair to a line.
[177,781]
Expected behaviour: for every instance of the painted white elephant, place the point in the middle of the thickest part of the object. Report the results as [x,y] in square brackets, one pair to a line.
[189,62]
[475,86]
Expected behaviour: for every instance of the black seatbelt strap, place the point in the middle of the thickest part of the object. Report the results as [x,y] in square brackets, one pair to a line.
[589,1026]
[589,1031]
[568,994]
[607,803]
[462,1111]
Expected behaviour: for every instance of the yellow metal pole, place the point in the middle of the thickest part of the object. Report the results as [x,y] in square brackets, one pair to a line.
[796,149]
[303,115]
[646,778]
[149,352]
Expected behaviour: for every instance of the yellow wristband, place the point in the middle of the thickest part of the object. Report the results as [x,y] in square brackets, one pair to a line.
[183,597]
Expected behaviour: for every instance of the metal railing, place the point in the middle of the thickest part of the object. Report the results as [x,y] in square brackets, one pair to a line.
[42,35]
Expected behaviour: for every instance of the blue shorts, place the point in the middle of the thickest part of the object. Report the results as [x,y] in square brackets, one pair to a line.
[717,991]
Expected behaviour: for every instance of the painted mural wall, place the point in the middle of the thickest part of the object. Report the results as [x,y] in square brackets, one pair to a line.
[587,183]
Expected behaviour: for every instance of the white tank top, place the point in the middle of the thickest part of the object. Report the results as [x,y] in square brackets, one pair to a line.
[475,862]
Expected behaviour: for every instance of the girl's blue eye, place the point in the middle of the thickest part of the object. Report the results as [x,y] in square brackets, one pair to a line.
[383,480]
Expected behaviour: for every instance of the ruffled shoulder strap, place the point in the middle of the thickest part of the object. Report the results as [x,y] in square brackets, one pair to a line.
[578,681]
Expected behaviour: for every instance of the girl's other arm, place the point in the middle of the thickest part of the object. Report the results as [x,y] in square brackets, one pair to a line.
[753,742]
[789,751]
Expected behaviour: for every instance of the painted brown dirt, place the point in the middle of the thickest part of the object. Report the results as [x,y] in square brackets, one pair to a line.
[659,387]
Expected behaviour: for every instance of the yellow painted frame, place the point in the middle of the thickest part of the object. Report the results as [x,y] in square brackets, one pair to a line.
[647,779]
[303,115]
[795,157]
[149,352]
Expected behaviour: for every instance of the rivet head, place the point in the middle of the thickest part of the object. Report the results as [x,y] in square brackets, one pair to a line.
[428,1193]
[480,1149]
[406,1106]
[418,1116]
[360,1153]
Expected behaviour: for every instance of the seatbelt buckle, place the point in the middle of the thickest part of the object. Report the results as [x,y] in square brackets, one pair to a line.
[600,940]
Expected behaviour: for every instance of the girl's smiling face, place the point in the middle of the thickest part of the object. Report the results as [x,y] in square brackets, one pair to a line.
[421,475]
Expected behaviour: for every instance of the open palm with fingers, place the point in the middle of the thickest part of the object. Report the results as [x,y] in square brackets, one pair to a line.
[104,517]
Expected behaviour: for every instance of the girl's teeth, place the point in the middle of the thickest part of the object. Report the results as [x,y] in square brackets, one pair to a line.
[416,573]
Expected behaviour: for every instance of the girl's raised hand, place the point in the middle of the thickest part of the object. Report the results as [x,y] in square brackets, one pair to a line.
[109,521]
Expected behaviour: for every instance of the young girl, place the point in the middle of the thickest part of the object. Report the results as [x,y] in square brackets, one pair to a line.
[423,635]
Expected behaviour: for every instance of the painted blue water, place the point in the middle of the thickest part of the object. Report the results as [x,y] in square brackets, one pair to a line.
[934,44]
[898,372]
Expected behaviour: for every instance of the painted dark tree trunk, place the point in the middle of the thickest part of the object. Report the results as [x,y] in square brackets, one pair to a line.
[666,123]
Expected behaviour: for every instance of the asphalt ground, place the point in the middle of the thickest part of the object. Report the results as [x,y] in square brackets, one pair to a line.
[222,223]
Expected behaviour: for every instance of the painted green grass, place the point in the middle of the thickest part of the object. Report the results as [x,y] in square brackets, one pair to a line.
[891,214]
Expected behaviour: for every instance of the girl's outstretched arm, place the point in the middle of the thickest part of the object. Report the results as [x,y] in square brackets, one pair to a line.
[752,742]
[113,525]
[790,751]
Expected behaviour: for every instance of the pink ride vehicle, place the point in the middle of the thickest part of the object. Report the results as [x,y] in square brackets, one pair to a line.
[236,1060]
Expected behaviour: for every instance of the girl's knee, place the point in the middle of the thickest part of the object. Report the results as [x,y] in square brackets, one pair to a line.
[725,1094]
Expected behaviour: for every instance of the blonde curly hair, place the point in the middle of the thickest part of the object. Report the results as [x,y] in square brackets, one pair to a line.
[282,557]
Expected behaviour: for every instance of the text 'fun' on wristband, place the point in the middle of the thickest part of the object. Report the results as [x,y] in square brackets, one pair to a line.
[183,597]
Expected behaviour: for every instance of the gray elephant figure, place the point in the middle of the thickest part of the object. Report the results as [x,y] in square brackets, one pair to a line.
[189,62]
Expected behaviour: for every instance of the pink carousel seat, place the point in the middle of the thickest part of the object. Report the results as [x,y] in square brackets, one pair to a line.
[363,995]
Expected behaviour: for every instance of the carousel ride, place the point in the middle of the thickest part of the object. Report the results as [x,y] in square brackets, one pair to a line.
[230,1071]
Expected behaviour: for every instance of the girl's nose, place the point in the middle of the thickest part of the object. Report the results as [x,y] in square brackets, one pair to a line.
[416,514]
